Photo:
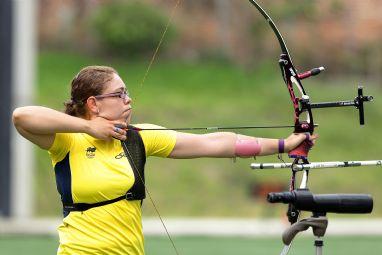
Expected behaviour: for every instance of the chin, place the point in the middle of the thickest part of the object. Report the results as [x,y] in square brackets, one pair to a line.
[128,119]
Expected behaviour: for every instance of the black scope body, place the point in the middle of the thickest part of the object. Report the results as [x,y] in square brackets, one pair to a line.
[304,200]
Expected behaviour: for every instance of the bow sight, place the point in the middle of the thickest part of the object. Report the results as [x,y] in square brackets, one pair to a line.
[357,103]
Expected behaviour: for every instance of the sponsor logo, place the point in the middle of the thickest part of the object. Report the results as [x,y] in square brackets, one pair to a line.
[90,152]
[120,155]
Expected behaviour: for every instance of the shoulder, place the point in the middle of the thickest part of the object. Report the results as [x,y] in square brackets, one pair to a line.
[65,142]
[158,140]
[152,131]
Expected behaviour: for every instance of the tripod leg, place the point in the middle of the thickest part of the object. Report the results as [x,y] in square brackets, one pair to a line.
[318,243]
[286,249]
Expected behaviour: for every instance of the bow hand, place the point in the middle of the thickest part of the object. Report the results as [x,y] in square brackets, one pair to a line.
[301,150]
[298,145]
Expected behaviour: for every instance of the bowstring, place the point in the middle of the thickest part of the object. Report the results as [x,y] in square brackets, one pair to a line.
[158,46]
[125,147]
[150,197]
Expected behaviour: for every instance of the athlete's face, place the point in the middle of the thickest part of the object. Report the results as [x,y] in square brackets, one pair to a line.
[114,103]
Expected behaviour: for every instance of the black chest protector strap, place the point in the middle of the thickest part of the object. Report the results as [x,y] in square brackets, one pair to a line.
[134,150]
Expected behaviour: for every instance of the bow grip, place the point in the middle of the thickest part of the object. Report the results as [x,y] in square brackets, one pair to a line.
[301,151]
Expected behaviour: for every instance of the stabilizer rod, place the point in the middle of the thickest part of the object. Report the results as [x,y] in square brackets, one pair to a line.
[315,165]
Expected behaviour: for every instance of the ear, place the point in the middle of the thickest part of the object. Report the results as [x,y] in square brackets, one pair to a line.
[92,105]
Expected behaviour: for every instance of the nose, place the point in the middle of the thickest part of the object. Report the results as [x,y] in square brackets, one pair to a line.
[127,100]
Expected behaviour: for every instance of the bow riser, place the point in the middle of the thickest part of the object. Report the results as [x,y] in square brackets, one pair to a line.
[300,105]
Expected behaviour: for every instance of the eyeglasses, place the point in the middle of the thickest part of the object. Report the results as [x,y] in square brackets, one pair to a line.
[123,94]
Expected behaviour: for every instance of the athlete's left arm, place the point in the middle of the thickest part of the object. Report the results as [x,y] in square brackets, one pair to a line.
[228,145]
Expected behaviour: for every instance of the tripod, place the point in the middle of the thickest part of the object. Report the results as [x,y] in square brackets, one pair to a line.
[318,222]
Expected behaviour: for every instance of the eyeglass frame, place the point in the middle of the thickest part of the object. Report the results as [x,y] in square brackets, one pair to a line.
[122,94]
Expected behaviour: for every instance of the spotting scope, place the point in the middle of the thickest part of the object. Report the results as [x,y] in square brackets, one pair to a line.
[304,200]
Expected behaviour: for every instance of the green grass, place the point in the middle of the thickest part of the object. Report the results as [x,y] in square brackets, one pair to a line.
[178,94]
[47,245]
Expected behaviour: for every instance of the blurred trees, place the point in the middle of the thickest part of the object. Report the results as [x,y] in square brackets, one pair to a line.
[130,28]
[343,35]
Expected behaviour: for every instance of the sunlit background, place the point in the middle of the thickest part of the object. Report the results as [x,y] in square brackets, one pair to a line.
[193,64]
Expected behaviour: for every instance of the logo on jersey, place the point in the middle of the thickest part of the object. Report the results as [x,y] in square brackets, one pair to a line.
[90,152]
[120,155]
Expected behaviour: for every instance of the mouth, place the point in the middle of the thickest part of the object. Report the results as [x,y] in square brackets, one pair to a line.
[127,113]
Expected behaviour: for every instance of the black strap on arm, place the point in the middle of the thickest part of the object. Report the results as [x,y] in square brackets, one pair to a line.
[134,150]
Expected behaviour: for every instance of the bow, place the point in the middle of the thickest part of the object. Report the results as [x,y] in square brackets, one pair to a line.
[291,77]
[301,105]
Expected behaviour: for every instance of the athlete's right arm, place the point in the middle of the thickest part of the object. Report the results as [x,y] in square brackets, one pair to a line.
[40,124]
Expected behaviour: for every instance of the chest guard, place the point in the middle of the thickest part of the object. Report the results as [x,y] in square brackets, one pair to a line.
[134,150]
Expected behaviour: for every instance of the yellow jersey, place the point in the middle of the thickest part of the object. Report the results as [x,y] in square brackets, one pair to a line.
[89,170]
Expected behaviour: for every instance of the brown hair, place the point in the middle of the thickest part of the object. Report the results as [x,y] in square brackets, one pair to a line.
[90,81]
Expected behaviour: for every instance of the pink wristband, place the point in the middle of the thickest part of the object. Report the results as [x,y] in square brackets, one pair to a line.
[247,148]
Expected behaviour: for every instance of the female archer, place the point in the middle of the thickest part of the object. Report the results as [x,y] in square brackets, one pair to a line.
[98,176]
